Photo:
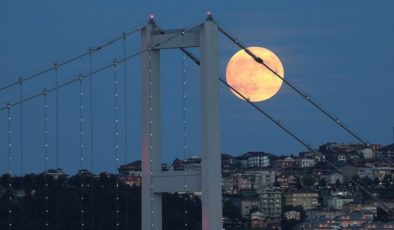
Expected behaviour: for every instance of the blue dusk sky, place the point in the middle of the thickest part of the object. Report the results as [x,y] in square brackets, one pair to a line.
[339,52]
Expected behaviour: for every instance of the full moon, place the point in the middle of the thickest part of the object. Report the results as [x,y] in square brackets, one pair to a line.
[252,79]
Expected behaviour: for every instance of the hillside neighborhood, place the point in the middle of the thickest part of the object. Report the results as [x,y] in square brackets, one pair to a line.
[302,191]
[337,186]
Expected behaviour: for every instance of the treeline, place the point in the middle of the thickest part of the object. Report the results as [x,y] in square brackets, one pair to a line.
[85,200]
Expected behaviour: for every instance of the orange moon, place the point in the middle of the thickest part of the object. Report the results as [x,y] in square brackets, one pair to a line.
[252,79]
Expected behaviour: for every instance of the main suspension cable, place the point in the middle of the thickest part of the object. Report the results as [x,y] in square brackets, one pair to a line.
[304,95]
[70,60]
[71,81]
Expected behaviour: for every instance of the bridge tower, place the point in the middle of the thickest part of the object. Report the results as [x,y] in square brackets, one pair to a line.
[207,180]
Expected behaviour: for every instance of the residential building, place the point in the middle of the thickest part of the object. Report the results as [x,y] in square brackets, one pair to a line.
[388,151]
[366,153]
[326,213]
[263,177]
[307,162]
[245,182]
[286,180]
[320,223]
[55,173]
[365,172]
[193,162]
[340,154]
[227,163]
[130,174]
[358,207]
[257,220]
[307,199]
[271,202]
[247,206]
[228,185]
[338,202]
[286,162]
[380,172]
[378,226]
[355,219]
[257,159]
[267,178]
[332,178]
[133,168]
[292,215]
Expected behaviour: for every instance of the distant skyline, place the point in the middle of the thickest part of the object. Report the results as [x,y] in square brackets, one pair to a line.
[340,53]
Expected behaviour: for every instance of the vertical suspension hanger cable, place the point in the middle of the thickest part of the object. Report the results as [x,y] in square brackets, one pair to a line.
[46,210]
[116,142]
[125,98]
[126,150]
[91,109]
[10,172]
[81,151]
[56,69]
[57,115]
[21,143]
[150,123]
[91,185]
[184,136]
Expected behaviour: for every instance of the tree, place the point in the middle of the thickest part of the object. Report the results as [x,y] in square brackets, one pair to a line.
[308,180]
[321,164]
[387,180]
[231,211]
[381,215]
[297,184]
[276,183]
[289,224]
[366,181]
[376,181]
[322,182]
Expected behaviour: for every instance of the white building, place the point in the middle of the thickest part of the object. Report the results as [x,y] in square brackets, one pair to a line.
[333,178]
[258,159]
[365,172]
[307,162]
[338,202]
[267,178]
[367,153]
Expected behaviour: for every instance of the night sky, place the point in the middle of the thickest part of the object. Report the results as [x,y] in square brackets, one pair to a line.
[340,53]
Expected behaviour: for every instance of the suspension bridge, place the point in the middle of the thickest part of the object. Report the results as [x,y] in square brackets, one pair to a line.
[155,181]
